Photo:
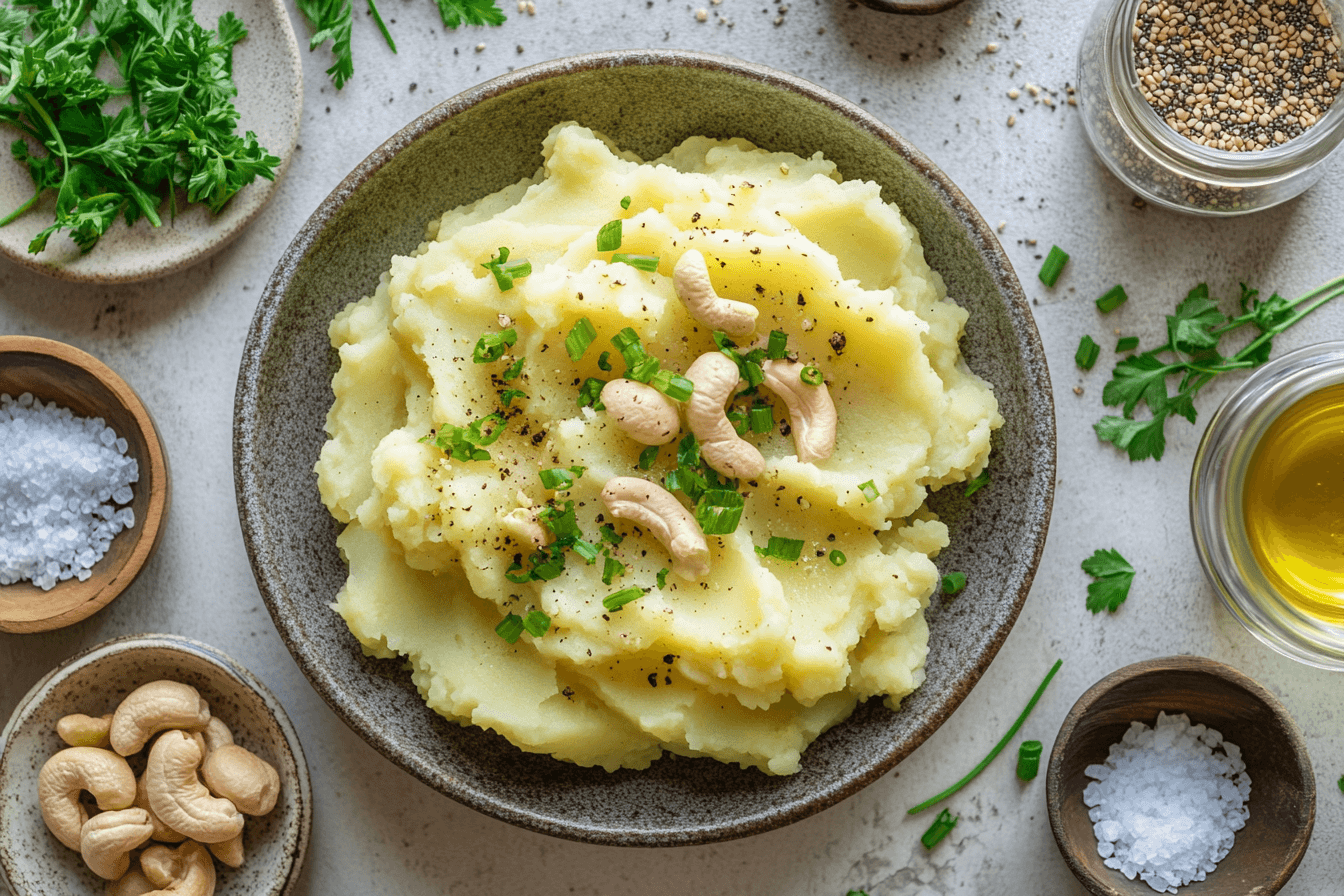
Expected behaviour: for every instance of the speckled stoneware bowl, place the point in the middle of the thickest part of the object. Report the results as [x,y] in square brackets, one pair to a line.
[269,74]
[911,7]
[476,143]
[34,863]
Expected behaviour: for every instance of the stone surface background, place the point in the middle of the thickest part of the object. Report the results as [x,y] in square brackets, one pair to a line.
[178,341]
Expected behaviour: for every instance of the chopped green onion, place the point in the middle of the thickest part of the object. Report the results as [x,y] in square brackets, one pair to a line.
[953,582]
[585,549]
[838,558]
[563,523]
[688,451]
[980,481]
[761,418]
[647,457]
[1341,783]
[604,361]
[628,344]
[811,375]
[869,490]
[998,748]
[514,576]
[673,385]
[491,346]
[611,568]
[691,482]
[557,480]
[778,346]
[537,623]
[513,370]
[1112,299]
[474,430]
[620,598]
[1087,354]
[789,549]
[647,263]
[1028,759]
[1054,265]
[625,202]
[738,418]
[941,827]
[508,395]
[1127,344]
[644,369]
[608,533]
[609,237]
[510,628]
[723,343]
[590,394]
[719,511]
[752,373]
[581,335]
[549,567]
[506,271]
[661,578]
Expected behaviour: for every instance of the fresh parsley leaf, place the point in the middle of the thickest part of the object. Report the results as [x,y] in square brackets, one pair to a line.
[980,480]
[1191,328]
[1113,576]
[469,12]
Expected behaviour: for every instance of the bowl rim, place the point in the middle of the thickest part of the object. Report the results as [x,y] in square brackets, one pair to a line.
[252,515]
[303,794]
[149,531]
[1159,665]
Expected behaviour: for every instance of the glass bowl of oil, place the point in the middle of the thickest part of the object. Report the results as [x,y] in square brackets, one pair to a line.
[1267,504]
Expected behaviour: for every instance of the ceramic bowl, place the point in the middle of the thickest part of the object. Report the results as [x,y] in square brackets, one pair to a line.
[54,371]
[489,137]
[911,7]
[1283,788]
[268,71]
[33,861]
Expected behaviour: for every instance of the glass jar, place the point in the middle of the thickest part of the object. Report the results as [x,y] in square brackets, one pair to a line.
[1217,505]
[1163,166]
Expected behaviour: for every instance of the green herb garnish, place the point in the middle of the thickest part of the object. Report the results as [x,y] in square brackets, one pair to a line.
[1112,299]
[673,385]
[761,418]
[604,362]
[625,202]
[1053,266]
[777,548]
[609,236]
[611,568]
[1113,576]
[838,558]
[1028,759]
[590,394]
[719,511]
[647,457]
[941,827]
[585,549]
[513,370]
[979,481]
[646,263]
[516,574]
[581,335]
[869,491]
[510,628]
[506,271]
[608,533]
[777,348]
[468,443]
[537,623]
[491,346]
[1126,344]
[620,598]
[557,480]
[661,578]
[811,375]
[1087,354]
[953,583]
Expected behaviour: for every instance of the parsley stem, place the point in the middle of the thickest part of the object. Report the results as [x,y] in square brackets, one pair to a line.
[1326,292]
[998,748]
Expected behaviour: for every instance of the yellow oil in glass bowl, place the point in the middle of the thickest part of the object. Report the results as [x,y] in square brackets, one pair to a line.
[1293,504]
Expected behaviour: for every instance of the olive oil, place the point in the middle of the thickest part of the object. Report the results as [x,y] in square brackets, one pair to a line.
[1293,504]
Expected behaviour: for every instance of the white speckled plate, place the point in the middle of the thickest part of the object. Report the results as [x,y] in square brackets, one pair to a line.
[269,75]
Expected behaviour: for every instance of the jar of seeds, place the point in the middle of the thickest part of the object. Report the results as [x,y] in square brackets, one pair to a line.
[1215,107]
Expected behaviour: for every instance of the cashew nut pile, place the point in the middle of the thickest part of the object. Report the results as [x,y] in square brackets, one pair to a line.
[196,787]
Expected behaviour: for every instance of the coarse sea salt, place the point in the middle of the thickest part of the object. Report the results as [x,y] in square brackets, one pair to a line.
[60,479]
[1167,802]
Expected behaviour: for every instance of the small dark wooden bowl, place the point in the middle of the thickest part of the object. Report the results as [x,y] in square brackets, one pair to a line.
[911,7]
[1283,788]
[54,371]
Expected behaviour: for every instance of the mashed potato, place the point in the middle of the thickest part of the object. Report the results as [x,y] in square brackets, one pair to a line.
[760,656]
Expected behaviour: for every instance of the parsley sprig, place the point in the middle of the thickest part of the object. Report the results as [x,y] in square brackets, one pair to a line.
[1191,353]
[1113,576]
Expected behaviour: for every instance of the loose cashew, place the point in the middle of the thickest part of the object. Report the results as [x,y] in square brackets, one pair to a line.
[185,871]
[243,778]
[690,278]
[79,730]
[641,411]
[715,377]
[106,840]
[162,832]
[654,507]
[811,411]
[230,852]
[132,883]
[178,797]
[101,772]
[154,707]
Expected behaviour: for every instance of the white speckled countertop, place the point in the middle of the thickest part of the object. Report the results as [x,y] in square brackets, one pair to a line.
[377,830]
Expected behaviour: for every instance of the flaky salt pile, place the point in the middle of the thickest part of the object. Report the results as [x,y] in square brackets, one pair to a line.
[60,476]
[1167,802]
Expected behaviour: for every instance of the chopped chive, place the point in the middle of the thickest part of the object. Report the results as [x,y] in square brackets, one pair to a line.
[723,343]
[673,385]
[838,558]
[516,574]
[661,578]
[505,271]
[590,392]
[811,375]
[1127,344]
[609,237]
[647,263]
[537,623]
[688,451]
[510,628]
[549,567]
[1112,299]
[1087,354]
[980,481]
[869,491]
[562,523]
[998,748]
[953,582]
[738,418]
[581,335]
[753,374]
[1054,265]
[788,549]
[508,395]
[941,827]
[718,511]
[491,346]
[513,370]
[647,457]
[1028,759]
[643,370]
[557,480]
[761,418]
[691,483]
[604,361]
[625,202]
[585,549]
[474,431]
[578,471]
[609,533]
[778,346]
[611,568]
[628,344]
[620,598]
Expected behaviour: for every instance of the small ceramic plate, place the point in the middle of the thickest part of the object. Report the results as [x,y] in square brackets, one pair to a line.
[33,861]
[269,75]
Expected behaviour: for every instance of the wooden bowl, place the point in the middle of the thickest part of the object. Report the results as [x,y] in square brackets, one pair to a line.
[54,371]
[1283,789]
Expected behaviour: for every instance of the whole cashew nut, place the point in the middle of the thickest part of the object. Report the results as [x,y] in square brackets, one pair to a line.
[106,840]
[811,411]
[178,797]
[690,278]
[216,734]
[715,377]
[162,832]
[132,883]
[185,871]
[101,772]
[243,778]
[230,852]
[154,707]
[652,506]
[79,730]
[641,411]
